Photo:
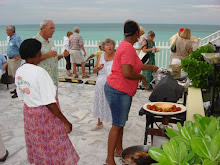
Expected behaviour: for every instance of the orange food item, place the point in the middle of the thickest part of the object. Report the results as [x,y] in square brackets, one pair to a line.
[163,107]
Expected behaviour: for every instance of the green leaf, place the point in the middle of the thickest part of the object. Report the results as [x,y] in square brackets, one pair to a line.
[156,153]
[209,162]
[170,148]
[179,139]
[215,146]
[172,132]
[201,147]
[189,157]
[205,122]
[198,130]
[212,126]
[197,117]
[181,153]
[185,133]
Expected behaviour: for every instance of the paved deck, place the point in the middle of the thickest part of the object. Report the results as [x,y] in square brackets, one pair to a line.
[76,102]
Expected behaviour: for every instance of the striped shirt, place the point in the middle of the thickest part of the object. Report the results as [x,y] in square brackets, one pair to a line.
[75,41]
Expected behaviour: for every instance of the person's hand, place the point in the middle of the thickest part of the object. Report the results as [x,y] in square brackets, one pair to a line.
[17,57]
[100,66]
[52,53]
[84,54]
[68,127]
[144,81]
[154,49]
[65,53]
[155,68]
[3,68]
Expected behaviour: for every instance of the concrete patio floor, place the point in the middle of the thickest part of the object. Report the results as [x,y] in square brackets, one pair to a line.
[76,102]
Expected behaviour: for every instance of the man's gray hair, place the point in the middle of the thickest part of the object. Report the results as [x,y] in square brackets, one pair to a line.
[107,40]
[76,29]
[11,27]
[44,23]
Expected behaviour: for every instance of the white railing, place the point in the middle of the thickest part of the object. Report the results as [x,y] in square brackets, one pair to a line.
[214,38]
[162,58]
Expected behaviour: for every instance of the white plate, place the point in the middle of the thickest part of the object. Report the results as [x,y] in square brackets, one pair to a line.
[183,109]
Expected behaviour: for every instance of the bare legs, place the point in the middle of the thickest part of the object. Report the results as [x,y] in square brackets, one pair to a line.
[114,144]
[74,70]
[83,70]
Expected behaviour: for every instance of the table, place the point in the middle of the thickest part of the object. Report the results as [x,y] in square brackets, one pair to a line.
[165,119]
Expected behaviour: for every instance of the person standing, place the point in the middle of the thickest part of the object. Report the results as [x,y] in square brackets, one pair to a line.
[103,66]
[49,58]
[46,128]
[14,60]
[122,85]
[3,152]
[66,47]
[149,48]
[3,64]
[183,46]
[76,57]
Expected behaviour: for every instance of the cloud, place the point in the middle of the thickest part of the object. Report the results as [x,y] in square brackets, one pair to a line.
[206,6]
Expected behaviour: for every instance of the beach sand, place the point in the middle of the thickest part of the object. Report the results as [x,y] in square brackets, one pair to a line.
[76,102]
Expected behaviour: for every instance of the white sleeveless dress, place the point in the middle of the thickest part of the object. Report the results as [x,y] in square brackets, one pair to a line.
[101,107]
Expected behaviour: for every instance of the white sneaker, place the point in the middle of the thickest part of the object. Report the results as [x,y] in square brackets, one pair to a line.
[96,127]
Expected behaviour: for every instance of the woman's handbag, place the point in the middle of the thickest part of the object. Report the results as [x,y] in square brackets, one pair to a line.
[173,47]
[144,57]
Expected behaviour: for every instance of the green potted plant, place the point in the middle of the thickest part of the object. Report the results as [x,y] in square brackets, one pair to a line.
[197,68]
[194,143]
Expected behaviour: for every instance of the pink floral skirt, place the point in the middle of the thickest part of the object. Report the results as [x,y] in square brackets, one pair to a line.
[47,142]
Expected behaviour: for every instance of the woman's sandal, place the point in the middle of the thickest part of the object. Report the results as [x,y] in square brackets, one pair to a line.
[76,76]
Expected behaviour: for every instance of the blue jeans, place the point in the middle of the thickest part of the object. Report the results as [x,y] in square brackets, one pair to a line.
[119,103]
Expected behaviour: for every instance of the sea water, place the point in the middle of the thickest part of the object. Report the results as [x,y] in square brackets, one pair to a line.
[100,31]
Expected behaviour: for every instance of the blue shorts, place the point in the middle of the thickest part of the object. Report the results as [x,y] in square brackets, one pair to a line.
[119,103]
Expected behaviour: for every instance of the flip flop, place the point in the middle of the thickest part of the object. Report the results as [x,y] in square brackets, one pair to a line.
[86,76]
[76,76]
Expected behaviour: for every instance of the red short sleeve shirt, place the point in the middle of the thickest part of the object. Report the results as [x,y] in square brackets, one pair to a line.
[125,54]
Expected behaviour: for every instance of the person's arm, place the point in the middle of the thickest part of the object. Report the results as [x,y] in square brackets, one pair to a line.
[64,54]
[4,66]
[98,66]
[149,67]
[49,54]
[83,49]
[127,71]
[144,49]
[53,108]
[91,56]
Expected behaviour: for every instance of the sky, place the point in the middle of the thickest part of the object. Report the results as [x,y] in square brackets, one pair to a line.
[110,11]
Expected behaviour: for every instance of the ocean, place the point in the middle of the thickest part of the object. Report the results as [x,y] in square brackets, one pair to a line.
[99,31]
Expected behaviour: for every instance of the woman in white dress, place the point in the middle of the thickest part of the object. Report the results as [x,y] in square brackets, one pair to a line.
[103,66]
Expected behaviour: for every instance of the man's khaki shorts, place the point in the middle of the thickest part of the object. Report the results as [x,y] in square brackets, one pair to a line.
[13,65]
[76,56]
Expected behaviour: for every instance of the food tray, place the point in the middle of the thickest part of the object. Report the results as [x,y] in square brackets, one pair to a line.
[212,58]
[183,109]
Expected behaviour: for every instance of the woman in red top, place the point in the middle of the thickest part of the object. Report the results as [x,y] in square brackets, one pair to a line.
[121,86]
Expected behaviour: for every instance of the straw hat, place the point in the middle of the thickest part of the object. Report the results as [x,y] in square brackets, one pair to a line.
[100,43]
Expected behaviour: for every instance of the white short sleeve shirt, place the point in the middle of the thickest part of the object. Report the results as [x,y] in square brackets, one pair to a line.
[34,86]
